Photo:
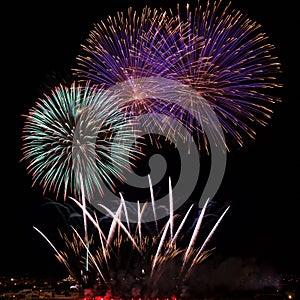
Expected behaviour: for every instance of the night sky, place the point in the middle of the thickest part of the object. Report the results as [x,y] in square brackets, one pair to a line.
[261,181]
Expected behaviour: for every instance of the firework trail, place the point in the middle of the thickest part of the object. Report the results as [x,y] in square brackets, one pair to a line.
[209,70]
[214,49]
[70,133]
[149,257]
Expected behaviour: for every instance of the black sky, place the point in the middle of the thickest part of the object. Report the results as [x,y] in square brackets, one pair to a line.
[261,180]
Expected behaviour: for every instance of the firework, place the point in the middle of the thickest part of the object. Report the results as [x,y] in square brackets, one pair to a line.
[206,71]
[97,255]
[214,49]
[73,132]
[115,58]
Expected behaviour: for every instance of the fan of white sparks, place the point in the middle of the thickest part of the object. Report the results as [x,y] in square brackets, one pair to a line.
[166,243]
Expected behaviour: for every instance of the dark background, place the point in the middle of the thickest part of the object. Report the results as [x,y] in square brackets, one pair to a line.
[40,41]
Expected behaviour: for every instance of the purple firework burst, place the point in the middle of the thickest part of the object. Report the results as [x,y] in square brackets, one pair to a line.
[214,49]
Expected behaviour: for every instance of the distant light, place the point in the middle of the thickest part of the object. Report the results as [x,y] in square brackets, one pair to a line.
[290,296]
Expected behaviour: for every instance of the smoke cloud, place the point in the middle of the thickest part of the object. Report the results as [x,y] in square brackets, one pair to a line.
[231,275]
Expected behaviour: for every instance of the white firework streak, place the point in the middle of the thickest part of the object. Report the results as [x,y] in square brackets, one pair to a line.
[165,246]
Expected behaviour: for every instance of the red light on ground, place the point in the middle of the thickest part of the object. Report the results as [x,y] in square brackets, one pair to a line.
[111,298]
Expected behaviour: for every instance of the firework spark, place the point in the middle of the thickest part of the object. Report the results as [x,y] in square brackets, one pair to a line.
[73,132]
[149,257]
